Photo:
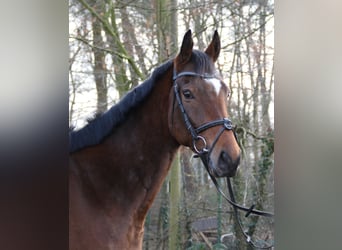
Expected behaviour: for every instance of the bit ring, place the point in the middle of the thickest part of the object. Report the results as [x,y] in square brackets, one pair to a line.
[204,147]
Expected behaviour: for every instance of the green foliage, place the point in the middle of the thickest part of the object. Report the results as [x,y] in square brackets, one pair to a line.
[219,246]
[197,246]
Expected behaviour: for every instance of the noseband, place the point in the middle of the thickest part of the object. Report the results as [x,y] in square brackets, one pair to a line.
[204,153]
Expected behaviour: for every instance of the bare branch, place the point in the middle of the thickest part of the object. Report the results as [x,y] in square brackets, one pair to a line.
[122,49]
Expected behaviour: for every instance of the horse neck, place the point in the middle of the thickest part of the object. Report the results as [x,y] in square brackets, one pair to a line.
[127,170]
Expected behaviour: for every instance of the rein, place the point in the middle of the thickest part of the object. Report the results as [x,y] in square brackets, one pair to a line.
[204,154]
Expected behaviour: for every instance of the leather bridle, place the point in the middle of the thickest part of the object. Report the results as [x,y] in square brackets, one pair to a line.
[225,122]
[204,153]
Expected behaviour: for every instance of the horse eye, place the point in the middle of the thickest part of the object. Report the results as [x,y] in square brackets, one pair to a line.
[187,94]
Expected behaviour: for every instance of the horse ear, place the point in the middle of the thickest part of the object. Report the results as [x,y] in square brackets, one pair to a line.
[214,47]
[186,49]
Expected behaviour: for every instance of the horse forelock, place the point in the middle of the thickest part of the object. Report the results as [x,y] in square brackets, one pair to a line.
[202,62]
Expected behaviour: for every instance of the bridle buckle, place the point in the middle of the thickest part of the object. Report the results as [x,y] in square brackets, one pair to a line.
[227,124]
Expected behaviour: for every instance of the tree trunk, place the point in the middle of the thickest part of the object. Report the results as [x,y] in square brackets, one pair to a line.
[167,31]
[189,193]
[99,70]
[167,28]
[239,191]
[122,83]
[175,197]
[262,121]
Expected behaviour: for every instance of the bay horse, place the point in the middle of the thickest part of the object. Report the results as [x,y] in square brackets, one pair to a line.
[119,160]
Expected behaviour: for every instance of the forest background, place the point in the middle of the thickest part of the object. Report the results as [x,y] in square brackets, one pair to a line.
[114,46]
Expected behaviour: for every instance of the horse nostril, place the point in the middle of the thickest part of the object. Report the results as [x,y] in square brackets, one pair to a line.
[226,161]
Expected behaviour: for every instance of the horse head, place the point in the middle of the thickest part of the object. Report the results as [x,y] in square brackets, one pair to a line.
[198,116]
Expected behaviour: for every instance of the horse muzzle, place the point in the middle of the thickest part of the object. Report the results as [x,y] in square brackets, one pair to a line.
[226,165]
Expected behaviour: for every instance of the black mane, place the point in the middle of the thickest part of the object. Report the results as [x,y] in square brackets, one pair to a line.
[98,129]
